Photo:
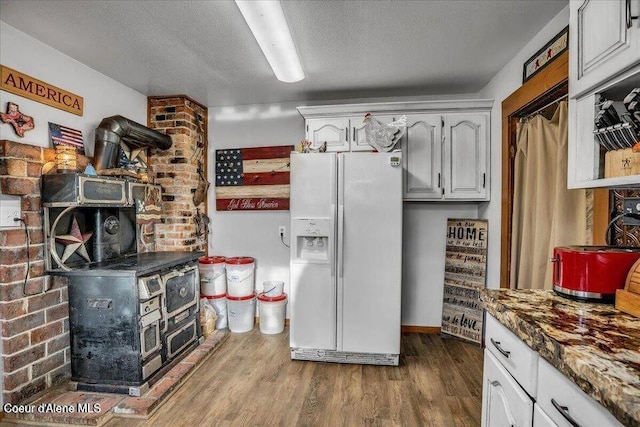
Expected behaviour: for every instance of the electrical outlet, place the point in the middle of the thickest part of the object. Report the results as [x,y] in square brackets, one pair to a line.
[282,231]
[9,209]
[631,205]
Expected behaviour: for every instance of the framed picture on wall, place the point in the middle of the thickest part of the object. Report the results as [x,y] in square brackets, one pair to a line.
[64,135]
[542,58]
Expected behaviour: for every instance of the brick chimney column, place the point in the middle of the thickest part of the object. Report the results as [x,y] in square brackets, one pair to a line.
[176,169]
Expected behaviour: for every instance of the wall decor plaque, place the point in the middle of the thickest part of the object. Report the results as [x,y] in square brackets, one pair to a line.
[253,178]
[36,90]
[464,276]
[20,122]
[544,56]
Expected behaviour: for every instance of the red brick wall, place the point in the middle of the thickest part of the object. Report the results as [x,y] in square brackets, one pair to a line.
[176,169]
[34,329]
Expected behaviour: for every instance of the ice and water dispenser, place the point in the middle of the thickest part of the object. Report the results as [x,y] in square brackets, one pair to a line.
[311,239]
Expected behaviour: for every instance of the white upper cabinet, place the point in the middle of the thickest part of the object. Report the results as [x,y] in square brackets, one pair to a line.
[341,134]
[607,39]
[445,147]
[422,146]
[335,132]
[465,161]
[604,64]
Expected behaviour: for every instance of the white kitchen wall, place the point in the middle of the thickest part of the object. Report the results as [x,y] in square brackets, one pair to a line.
[252,233]
[503,84]
[103,96]
[256,233]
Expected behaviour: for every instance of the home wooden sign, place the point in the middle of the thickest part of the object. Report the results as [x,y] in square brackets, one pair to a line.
[464,276]
[36,90]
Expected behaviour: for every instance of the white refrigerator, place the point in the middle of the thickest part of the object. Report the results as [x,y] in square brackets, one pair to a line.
[346,257]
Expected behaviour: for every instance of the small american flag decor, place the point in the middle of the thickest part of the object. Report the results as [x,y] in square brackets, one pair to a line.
[253,178]
[62,135]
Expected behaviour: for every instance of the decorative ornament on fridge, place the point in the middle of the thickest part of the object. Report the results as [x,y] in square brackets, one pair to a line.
[306,146]
[381,136]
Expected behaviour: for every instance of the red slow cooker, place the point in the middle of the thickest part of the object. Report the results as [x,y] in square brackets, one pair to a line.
[591,272]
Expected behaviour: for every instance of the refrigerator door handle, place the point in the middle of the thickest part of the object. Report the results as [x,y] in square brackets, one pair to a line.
[341,240]
[332,244]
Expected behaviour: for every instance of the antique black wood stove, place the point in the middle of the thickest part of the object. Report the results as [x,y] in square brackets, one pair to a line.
[133,313]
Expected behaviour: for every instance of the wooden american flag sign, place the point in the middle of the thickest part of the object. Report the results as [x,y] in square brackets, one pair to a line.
[253,178]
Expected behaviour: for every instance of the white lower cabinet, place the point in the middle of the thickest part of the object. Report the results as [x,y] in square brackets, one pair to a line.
[541,419]
[517,357]
[504,402]
[566,404]
[520,388]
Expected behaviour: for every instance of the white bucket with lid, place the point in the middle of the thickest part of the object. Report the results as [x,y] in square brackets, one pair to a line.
[241,312]
[213,280]
[272,311]
[240,276]
[273,288]
[219,304]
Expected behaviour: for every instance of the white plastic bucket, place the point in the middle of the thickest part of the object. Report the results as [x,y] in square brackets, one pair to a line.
[240,276]
[219,304]
[213,280]
[273,288]
[241,311]
[272,313]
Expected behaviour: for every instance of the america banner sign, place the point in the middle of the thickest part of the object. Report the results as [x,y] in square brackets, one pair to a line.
[253,178]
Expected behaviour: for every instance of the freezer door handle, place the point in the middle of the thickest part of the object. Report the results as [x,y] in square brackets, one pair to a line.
[341,240]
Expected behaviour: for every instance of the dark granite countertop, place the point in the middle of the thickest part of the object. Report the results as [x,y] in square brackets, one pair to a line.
[594,345]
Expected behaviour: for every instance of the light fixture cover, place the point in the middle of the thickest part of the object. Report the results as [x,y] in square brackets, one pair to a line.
[269,26]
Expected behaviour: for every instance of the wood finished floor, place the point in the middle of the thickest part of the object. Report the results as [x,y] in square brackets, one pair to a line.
[251,380]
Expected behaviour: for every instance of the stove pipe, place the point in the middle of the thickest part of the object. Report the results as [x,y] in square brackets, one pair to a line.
[112,130]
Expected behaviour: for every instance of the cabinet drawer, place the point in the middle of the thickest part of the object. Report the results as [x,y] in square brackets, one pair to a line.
[504,403]
[520,360]
[570,401]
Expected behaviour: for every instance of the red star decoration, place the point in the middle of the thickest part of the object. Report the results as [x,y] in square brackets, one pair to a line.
[75,242]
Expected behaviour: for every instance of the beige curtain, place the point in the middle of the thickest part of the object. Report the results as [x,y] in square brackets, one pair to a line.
[545,213]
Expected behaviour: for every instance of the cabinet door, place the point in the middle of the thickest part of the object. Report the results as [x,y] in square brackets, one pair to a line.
[465,167]
[504,403]
[584,163]
[335,132]
[541,419]
[607,39]
[422,148]
[358,137]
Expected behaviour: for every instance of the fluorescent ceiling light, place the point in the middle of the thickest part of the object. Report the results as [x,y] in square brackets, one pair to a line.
[269,26]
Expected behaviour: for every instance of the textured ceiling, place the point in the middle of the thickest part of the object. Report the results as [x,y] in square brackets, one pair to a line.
[349,49]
